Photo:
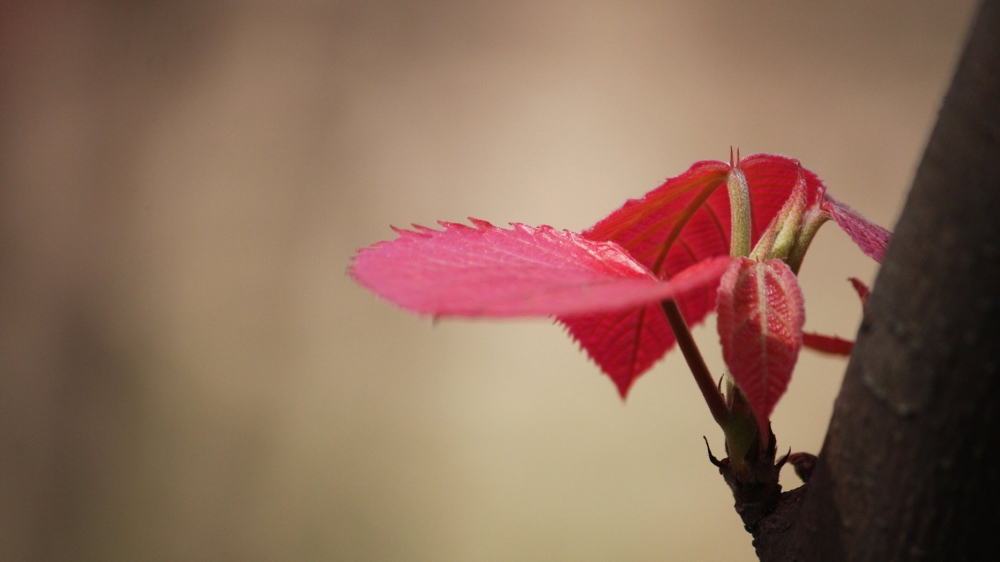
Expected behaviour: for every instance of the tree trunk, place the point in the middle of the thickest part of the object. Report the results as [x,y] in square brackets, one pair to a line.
[910,469]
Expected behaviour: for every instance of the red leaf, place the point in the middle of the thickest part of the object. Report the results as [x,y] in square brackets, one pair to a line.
[827,344]
[483,270]
[870,237]
[760,325]
[689,215]
[626,343]
[684,221]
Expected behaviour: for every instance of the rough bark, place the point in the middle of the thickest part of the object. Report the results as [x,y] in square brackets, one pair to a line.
[910,469]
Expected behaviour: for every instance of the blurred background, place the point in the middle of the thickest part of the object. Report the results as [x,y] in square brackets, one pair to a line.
[189,374]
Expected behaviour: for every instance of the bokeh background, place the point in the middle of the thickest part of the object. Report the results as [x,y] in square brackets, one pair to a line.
[189,374]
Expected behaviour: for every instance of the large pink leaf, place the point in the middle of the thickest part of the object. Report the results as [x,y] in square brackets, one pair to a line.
[870,237]
[684,221]
[483,270]
[760,322]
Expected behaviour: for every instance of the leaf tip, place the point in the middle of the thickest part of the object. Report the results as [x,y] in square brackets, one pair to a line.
[862,289]
[623,386]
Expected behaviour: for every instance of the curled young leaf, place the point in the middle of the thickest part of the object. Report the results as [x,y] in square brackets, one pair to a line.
[760,322]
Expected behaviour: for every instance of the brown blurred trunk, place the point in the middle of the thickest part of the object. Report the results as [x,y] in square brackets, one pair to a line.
[910,469]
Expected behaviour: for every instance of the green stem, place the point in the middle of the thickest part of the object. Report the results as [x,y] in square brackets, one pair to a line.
[716,402]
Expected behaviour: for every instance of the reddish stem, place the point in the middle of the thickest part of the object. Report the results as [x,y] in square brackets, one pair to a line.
[716,402]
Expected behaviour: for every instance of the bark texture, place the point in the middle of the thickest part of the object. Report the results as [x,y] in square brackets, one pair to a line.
[910,469]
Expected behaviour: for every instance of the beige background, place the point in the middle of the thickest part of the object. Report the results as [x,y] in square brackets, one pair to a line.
[188,374]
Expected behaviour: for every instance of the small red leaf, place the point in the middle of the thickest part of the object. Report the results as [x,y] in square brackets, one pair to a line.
[760,325]
[483,270]
[870,237]
[862,290]
[827,344]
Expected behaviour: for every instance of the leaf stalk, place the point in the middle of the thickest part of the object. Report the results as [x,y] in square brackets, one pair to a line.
[706,383]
